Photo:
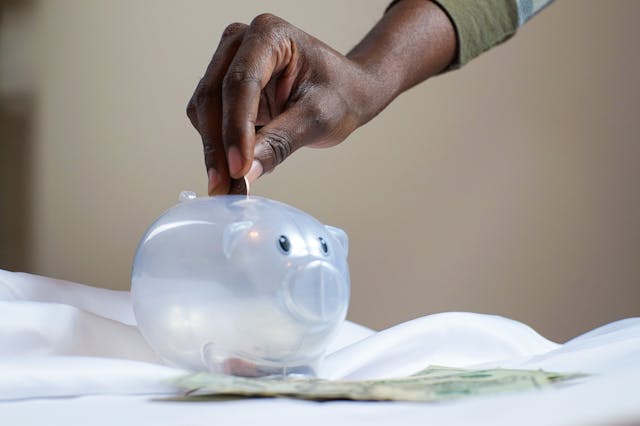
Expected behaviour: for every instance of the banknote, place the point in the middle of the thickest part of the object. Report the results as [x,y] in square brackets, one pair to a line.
[434,383]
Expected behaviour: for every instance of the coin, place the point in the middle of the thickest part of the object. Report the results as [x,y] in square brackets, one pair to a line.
[239,186]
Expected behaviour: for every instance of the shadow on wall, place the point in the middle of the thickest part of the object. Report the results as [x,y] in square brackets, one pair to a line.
[16,144]
[16,118]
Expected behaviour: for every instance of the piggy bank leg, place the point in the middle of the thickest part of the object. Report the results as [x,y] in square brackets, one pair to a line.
[223,362]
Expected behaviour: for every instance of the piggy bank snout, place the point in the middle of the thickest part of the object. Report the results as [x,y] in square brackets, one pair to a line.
[316,292]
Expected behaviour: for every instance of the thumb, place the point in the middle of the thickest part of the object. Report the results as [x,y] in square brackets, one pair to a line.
[281,137]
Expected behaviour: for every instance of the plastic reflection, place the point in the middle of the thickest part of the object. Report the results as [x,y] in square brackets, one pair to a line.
[240,285]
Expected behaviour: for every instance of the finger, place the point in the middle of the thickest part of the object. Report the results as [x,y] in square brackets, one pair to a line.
[209,127]
[265,111]
[208,109]
[192,113]
[264,52]
[279,139]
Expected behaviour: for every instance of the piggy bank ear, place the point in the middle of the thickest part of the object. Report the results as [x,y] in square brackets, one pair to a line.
[341,236]
[234,233]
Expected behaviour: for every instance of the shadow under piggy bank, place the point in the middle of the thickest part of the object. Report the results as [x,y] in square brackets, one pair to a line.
[240,285]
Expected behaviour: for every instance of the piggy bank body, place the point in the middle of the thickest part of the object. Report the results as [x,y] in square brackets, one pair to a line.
[240,285]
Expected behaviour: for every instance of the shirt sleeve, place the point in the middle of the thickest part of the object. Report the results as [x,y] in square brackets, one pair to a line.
[483,24]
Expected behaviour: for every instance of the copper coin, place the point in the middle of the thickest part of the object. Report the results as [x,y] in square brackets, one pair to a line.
[239,186]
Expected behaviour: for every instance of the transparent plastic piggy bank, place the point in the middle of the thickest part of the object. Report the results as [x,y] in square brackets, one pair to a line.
[240,285]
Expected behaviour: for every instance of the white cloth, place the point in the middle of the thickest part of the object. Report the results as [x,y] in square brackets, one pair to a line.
[64,339]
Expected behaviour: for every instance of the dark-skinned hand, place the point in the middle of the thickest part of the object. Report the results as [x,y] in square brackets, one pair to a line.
[271,88]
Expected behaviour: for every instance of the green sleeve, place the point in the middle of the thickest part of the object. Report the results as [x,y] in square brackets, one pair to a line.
[480,25]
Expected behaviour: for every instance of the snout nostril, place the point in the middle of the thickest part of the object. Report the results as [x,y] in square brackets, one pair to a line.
[317,292]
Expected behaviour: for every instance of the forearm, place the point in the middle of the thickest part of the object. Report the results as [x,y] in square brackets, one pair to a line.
[417,39]
[413,41]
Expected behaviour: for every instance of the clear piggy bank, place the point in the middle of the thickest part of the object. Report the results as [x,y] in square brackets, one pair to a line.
[240,285]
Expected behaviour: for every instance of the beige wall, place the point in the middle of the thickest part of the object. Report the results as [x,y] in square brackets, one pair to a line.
[509,187]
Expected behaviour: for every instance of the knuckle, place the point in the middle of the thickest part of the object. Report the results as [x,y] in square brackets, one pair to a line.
[265,21]
[203,95]
[320,117]
[316,112]
[233,29]
[191,110]
[279,146]
[208,148]
[239,76]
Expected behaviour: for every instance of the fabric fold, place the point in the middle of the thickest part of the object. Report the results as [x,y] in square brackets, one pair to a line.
[59,338]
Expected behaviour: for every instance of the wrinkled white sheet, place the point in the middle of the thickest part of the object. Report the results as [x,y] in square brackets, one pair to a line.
[64,339]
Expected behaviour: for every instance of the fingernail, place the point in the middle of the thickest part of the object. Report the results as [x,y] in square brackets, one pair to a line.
[235,160]
[255,171]
[214,179]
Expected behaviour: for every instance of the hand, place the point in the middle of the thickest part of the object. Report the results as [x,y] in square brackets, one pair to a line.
[270,89]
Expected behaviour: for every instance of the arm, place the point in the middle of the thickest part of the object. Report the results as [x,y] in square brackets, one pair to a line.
[298,91]
[270,88]
[483,24]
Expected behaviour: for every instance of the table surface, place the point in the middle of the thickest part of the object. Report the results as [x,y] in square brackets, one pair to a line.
[607,400]
[72,355]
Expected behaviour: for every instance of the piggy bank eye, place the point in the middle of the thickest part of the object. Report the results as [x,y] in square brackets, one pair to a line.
[323,244]
[284,244]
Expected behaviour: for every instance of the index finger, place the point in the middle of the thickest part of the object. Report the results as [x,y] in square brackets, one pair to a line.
[207,104]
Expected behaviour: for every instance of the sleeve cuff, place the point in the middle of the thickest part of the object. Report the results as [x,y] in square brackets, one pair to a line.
[479,24]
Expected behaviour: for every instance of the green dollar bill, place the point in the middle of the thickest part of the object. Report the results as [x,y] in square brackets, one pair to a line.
[431,384]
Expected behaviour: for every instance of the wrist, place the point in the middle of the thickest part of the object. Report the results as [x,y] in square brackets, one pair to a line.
[413,41]
[374,89]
